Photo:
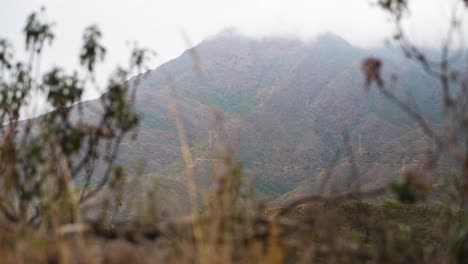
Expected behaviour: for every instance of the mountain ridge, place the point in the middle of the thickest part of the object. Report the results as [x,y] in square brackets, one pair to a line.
[287,103]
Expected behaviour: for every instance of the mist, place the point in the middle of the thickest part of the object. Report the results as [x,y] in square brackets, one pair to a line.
[170,27]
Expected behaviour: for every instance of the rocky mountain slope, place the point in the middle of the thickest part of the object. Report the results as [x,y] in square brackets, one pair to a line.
[285,104]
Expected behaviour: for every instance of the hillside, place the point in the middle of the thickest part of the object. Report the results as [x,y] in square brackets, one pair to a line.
[286,104]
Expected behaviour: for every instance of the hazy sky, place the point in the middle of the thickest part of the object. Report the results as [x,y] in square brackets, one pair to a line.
[158,24]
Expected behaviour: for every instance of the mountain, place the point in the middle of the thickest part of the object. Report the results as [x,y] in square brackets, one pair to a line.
[285,104]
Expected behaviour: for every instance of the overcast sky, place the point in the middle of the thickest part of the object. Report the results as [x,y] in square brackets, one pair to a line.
[158,24]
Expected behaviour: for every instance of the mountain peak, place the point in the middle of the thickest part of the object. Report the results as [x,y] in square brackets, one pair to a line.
[331,39]
[229,33]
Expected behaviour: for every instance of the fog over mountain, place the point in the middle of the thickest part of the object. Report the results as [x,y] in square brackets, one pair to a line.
[165,26]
